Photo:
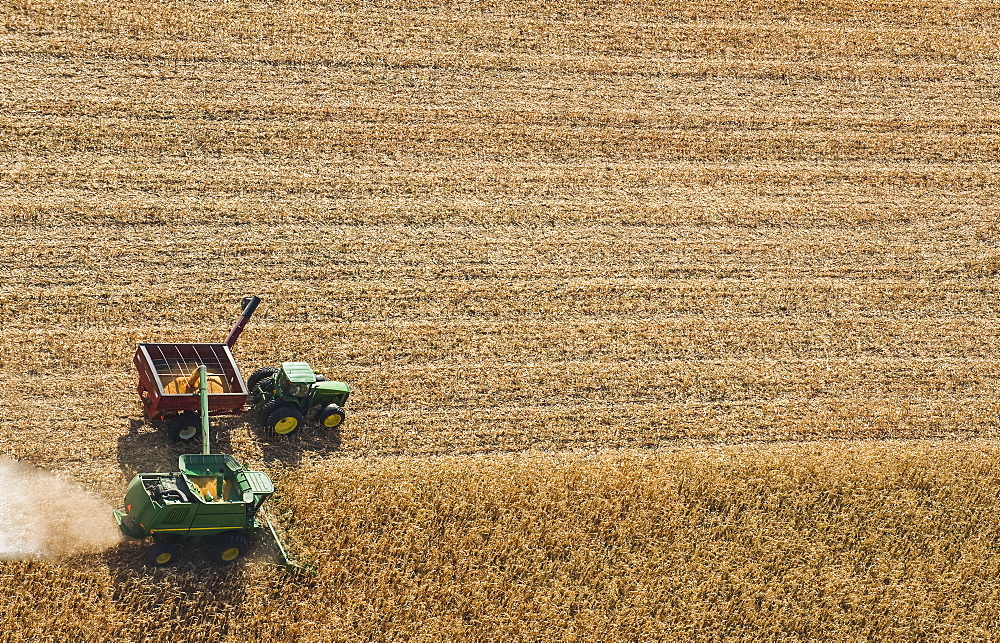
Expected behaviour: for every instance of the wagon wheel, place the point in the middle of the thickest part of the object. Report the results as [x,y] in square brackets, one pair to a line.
[184,427]
[285,421]
[162,555]
[228,547]
[258,377]
[331,417]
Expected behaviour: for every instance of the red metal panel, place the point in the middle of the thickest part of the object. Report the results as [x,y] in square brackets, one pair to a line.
[159,364]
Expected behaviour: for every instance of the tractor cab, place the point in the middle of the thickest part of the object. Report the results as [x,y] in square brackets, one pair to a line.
[295,379]
[296,382]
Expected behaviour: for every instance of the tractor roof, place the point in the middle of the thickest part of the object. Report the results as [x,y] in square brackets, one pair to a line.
[299,372]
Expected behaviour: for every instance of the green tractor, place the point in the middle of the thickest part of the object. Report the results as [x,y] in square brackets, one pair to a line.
[285,396]
[212,503]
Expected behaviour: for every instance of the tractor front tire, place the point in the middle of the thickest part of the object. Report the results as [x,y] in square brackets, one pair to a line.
[331,416]
[184,426]
[258,377]
[285,420]
[162,555]
[228,547]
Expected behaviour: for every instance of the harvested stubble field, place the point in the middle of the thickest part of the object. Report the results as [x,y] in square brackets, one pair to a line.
[664,320]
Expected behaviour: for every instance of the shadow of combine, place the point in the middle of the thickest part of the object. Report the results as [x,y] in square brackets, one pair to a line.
[193,594]
[147,446]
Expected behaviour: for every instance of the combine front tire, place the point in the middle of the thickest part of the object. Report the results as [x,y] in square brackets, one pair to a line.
[184,426]
[331,416]
[162,555]
[226,548]
[284,421]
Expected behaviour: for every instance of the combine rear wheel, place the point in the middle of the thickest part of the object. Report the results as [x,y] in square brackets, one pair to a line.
[162,555]
[285,420]
[228,547]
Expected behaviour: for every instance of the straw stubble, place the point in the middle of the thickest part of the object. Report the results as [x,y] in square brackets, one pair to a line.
[669,320]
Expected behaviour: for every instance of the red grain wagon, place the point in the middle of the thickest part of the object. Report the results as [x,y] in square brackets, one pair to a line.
[168,379]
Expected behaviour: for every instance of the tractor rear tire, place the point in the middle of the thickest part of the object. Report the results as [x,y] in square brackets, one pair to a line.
[270,407]
[331,416]
[162,555]
[228,547]
[285,421]
[184,426]
[258,377]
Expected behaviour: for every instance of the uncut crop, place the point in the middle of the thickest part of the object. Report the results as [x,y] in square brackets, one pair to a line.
[573,238]
[887,540]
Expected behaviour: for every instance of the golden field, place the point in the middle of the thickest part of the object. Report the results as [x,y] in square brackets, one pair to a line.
[669,321]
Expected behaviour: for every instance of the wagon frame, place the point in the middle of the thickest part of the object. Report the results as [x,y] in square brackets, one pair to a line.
[168,389]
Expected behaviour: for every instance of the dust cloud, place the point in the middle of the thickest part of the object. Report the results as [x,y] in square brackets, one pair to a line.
[42,516]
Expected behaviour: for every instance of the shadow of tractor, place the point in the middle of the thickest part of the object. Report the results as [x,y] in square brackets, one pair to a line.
[147,447]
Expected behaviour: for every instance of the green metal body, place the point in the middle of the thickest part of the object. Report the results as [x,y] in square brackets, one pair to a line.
[210,494]
[203,391]
[296,384]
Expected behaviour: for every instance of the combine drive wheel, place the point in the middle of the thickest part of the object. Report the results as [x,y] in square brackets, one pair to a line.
[228,547]
[259,376]
[331,416]
[162,555]
[184,426]
[285,421]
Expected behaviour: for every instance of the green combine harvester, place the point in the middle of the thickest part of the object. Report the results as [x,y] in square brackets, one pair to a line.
[212,503]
